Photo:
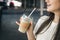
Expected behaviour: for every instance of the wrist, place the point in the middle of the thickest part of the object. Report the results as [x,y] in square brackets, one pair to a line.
[30,36]
[29,33]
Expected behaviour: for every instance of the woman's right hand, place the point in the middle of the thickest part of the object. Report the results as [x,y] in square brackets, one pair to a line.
[18,23]
[30,34]
[29,31]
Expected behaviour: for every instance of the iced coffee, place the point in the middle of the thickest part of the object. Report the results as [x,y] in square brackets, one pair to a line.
[24,23]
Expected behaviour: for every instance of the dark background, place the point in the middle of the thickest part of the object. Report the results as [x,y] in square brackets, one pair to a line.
[8,28]
[8,17]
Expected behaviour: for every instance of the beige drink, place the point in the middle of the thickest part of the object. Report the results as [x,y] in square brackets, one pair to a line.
[24,24]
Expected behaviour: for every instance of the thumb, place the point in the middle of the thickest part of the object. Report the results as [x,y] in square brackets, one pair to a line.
[17,23]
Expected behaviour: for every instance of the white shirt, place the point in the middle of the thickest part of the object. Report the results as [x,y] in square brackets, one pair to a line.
[49,34]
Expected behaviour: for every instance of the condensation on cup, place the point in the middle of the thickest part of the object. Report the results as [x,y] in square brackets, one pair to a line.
[24,23]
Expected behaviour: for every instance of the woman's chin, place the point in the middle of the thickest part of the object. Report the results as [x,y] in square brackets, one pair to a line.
[49,10]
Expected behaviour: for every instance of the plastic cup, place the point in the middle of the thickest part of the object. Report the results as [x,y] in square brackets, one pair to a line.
[24,23]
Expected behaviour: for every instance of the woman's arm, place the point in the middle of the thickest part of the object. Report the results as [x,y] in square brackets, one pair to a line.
[30,36]
[29,33]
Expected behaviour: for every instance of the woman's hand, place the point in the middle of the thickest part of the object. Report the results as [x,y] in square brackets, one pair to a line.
[30,34]
[18,23]
[29,31]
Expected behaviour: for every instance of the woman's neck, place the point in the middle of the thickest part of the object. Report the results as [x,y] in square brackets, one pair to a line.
[57,17]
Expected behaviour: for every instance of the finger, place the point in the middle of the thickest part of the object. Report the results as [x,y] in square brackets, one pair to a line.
[31,23]
[17,23]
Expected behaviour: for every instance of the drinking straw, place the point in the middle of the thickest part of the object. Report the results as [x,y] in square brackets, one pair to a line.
[31,12]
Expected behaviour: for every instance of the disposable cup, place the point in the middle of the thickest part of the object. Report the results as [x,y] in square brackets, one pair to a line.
[24,23]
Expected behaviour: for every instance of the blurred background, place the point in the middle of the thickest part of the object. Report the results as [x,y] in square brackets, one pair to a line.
[12,10]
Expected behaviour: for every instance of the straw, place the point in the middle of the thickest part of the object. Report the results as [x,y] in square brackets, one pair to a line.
[31,12]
